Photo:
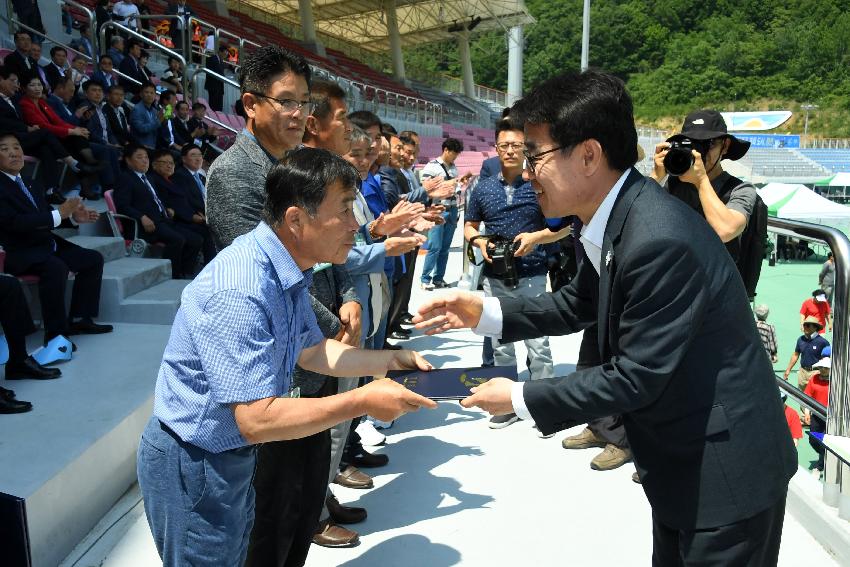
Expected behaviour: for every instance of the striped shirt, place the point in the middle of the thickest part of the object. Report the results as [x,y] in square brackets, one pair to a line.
[768,336]
[240,329]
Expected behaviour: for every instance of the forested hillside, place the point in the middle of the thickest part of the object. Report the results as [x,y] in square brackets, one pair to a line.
[677,55]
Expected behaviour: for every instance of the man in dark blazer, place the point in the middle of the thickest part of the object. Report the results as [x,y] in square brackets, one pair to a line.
[104,73]
[190,176]
[132,68]
[136,197]
[26,222]
[213,85]
[58,66]
[19,61]
[118,114]
[682,361]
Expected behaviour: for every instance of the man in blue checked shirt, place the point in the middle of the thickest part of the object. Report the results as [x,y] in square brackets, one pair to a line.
[224,382]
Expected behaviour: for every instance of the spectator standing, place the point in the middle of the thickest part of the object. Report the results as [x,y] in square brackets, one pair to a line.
[507,204]
[440,237]
[29,14]
[126,13]
[817,306]
[818,389]
[767,332]
[826,278]
[213,85]
[808,351]
[178,25]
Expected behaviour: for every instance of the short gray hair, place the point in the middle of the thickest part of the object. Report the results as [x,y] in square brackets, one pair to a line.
[762,311]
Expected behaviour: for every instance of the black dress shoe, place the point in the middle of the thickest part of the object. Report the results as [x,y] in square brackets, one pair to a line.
[88,327]
[344,514]
[406,319]
[14,406]
[402,330]
[399,335]
[366,460]
[388,346]
[7,395]
[29,368]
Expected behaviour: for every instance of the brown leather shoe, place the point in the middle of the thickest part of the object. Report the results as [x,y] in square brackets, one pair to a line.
[344,514]
[610,458]
[351,477]
[583,440]
[328,534]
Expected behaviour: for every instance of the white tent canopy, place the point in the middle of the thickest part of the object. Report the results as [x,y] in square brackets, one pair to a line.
[798,202]
[840,180]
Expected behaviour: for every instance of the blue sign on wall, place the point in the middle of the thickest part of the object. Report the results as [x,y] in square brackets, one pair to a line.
[771,140]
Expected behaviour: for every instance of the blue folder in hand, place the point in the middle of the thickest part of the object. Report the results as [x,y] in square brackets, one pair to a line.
[449,383]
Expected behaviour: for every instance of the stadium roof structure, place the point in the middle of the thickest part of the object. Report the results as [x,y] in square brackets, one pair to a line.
[363,22]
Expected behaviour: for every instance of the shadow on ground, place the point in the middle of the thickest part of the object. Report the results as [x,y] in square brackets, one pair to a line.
[410,550]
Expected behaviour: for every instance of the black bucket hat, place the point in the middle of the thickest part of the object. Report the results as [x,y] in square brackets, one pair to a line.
[709,125]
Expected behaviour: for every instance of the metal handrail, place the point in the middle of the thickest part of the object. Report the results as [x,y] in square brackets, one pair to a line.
[48,38]
[159,46]
[221,124]
[836,491]
[196,87]
[92,23]
[812,404]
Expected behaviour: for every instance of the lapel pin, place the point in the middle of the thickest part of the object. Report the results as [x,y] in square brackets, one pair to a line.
[608,257]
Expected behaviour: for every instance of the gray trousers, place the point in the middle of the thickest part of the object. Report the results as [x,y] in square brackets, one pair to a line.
[339,433]
[539,355]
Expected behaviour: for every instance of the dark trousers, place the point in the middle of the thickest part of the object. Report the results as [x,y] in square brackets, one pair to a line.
[609,428]
[202,230]
[818,426]
[76,145]
[291,483]
[47,148]
[15,317]
[53,277]
[181,246]
[751,542]
[215,96]
[402,291]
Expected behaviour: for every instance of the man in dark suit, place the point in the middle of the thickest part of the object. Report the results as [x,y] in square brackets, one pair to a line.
[26,222]
[208,135]
[58,66]
[180,199]
[181,8]
[682,361]
[132,68]
[118,114]
[213,85]
[192,179]
[19,61]
[104,73]
[136,197]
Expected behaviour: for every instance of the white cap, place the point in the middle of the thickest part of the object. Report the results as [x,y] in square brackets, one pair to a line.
[820,297]
[825,362]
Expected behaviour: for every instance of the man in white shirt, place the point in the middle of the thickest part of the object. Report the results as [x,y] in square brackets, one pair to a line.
[126,13]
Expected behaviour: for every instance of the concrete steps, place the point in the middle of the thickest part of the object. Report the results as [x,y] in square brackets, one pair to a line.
[134,290]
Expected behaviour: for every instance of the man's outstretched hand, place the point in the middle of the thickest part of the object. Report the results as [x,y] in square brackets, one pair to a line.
[493,396]
[387,400]
[456,310]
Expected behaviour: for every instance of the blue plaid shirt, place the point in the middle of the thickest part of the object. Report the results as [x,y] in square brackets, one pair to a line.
[241,326]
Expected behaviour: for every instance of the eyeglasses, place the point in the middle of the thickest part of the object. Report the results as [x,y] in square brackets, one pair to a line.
[516,146]
[534,159]
[288,105]
[166,162]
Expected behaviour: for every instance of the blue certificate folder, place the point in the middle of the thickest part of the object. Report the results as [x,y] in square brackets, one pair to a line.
[449,383]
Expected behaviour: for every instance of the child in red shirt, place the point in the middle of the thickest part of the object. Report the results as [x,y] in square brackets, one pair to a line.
[793,419]
[818,389]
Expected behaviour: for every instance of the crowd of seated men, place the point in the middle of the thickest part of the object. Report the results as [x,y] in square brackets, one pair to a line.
[82,130]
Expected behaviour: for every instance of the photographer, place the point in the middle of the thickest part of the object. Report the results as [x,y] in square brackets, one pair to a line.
[515,229]
[690,161]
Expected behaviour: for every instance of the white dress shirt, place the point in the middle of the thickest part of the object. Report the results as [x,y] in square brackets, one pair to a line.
[592,234]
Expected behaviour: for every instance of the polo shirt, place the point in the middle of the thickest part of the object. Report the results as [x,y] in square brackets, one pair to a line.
[237,336]
[810,350]
[818,389]
[819,309]
[509,209]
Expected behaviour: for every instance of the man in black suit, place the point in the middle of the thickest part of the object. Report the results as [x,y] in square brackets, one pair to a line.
[136,197]
[213,85]
[19,61]
[132,68]
[682,361]
[58,66]
[118,114]
[208,134]
[26,222]
[16,321]
[179,196]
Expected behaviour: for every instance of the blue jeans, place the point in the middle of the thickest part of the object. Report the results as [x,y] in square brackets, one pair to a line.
[199,505]
[439,244]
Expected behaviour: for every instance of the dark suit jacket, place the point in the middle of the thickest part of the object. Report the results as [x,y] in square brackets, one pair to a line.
[184,179]
[107,80]
[11,120]
[682,362]
[134,199]
[173,196]
[491,167]
[394,185]
[15,62]
[52,72]
[95,128]
[25,230]
[194,123]
[131,68]
[213,84]
[121,133]
[62,110]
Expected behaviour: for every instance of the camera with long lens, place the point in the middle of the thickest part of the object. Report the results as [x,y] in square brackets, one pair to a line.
[502,263]
[679,158]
